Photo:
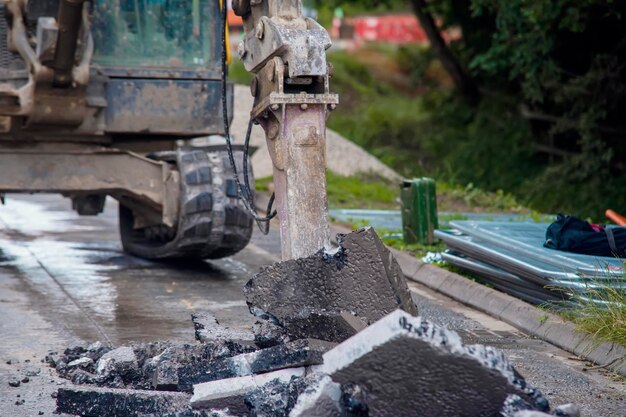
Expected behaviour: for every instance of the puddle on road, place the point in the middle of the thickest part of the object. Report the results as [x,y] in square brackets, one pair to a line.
[125,297]
[53,266]
[35,220]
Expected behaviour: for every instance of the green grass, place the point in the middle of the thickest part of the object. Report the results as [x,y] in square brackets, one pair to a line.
[419,250]
[475,198]
[372,192]
[237,73]
[447,218]
[605,321]
[363,192]
[263,184]
[359,192]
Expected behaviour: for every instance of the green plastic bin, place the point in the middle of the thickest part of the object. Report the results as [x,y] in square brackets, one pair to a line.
[419,210]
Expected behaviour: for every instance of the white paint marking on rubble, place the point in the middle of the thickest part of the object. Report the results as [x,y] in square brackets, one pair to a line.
[206,394]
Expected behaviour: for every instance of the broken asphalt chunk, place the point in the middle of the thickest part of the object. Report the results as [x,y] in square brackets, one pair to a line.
[231,393]
[290,355]
[165,366]
[268,334]
[144,365]
[109,402]
[273,399]
[80,377]
[208,329]
[321,398]
[405,363]
[324,325]
[567,410]
[315,324]
[81,363]
[121,361]
[362,278]
[515,407]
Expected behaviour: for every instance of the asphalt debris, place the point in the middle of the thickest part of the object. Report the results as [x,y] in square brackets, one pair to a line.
[208,329]
[304,295]
[100,402]
[141,366]
[337,336]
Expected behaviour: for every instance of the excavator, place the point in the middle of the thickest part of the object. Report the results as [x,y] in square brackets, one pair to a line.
[129,99]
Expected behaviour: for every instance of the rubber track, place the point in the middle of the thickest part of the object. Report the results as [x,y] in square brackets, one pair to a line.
[213,223]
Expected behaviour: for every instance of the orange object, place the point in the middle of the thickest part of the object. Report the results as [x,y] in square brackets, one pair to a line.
[615,217]
[234,20]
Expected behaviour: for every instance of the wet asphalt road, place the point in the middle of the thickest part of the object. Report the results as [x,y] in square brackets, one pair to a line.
[65,281]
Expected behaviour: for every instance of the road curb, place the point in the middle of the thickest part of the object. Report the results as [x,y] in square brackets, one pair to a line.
[525,317]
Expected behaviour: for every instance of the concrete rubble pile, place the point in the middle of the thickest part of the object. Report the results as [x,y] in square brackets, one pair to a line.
[337,336]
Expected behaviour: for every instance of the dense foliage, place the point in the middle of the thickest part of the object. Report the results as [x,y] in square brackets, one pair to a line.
[550,124]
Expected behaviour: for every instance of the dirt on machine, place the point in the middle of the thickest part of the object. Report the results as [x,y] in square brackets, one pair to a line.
[123,99]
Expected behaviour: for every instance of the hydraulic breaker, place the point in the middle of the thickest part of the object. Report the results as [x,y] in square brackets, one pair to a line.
[287,54]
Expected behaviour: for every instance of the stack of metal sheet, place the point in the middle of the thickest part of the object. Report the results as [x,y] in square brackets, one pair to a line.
[391,220]
[511,257]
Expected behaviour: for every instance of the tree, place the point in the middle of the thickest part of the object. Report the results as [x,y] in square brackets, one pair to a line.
[462,80]
[552,78]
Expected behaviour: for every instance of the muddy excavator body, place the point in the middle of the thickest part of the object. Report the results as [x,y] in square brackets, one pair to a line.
[123,98]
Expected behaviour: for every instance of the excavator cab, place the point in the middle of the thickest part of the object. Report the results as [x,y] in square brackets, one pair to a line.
[155,33]
[103,98]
